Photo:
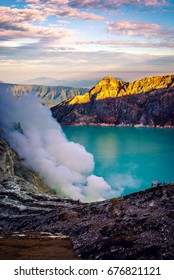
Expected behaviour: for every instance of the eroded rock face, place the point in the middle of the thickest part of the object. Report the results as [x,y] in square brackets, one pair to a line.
[147,102]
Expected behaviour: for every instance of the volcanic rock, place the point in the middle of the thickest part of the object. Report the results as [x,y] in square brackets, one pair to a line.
[35,246]
[146,102]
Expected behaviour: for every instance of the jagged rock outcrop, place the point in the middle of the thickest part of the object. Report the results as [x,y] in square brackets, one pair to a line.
[146,102]
[49,95]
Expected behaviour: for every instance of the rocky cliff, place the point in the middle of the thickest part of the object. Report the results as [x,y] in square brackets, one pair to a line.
[49,95]
[146,102]
[137,226]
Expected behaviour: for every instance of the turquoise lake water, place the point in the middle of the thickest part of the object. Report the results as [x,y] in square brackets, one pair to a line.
[128,158]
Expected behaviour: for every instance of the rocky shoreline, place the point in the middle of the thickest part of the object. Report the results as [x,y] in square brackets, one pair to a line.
[119,125]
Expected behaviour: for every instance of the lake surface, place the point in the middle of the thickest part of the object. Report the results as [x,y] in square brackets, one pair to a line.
[128,158]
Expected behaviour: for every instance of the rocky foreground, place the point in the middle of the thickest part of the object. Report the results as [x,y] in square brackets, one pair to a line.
[145,102]
[36,246]
[137,226]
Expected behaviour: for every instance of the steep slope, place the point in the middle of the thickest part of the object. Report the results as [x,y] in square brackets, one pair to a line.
[148,101]
[50,95]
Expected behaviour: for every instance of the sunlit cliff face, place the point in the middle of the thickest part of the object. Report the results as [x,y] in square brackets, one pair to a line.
[110,87]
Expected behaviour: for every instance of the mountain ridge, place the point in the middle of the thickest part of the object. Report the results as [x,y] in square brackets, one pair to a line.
[49,95]
[145,102]
[112,87]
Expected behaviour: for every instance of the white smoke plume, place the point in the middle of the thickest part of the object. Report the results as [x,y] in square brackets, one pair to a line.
[35,135]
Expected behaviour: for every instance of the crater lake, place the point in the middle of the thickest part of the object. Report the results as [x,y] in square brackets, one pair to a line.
[128,158]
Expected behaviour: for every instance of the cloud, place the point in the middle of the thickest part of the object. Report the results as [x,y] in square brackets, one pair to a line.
[39,37]
[67,12]
[117,44]
[133,28]
[16,26]
[23,23]
[30,63]
[63,9]
[143,29]
[21,15]
[27,23]
[154,3]
[161,60]
[112,4]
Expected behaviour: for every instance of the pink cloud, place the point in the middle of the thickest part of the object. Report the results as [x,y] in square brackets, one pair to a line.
[112,4]
[40,32]
[142,29]
[72,9]
[155,3]
[62,8]
[66,12]
[15,24]
[134,28]
[20,16]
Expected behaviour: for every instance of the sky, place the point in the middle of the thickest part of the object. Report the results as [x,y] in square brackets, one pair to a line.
[85,39]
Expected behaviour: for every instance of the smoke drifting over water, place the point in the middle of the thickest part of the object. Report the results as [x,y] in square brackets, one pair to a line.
[66,167]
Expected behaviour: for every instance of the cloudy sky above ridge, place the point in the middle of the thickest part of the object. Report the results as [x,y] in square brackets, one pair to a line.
[85,39]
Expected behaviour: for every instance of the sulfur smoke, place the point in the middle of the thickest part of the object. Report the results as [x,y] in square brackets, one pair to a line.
[66,167]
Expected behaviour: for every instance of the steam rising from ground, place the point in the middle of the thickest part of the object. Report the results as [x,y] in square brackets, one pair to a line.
[65,166]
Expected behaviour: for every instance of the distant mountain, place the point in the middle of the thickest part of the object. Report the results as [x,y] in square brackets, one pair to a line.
[50,95]
[44,81]
[54,82]
[145,102]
